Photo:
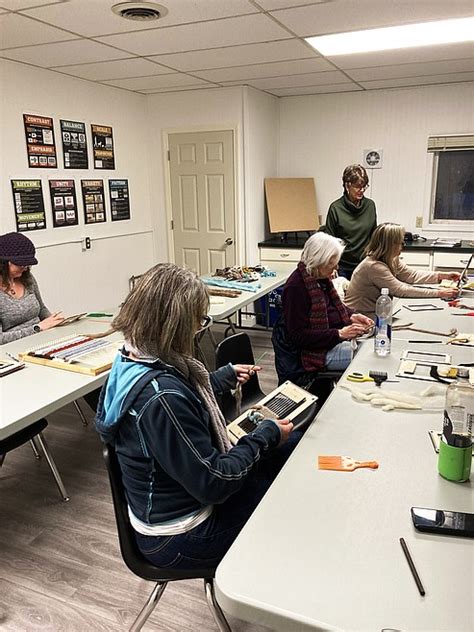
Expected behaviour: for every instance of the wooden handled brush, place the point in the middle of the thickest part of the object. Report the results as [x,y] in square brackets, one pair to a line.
[343,463]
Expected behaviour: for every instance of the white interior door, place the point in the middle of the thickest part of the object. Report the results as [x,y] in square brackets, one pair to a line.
[202,199]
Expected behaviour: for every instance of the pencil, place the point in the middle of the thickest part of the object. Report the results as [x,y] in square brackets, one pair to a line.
[428,342]
[409,559]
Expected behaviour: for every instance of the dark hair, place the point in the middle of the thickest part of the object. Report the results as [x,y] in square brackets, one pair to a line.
[355,174]
[5,279]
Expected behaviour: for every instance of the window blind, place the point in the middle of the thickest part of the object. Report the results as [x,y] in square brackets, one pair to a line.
[450,143]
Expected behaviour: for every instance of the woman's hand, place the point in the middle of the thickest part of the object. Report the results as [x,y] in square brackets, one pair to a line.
[244,372]
[52,321]
[448,292]
[286,428]
[352,331]
[452,276]
[362,320]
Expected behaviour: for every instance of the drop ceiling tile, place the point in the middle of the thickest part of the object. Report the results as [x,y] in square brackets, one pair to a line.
[265,70]
[161,81]
[183,89]
[411,70]
[17,30]
[405,55]
[348,15]
[327,89]
[118,69]
[98,18]
[18,5]
[242,30]
[73,52]
[268,5]
[237,55]
[310,79]
[418,81]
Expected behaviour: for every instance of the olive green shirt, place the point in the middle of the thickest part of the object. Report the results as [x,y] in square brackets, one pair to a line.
[354,225]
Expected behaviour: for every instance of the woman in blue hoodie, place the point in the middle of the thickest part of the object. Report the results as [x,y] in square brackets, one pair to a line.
[189,491]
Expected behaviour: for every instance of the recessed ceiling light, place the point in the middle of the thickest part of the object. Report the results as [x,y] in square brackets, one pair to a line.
[140,11]
[393,37]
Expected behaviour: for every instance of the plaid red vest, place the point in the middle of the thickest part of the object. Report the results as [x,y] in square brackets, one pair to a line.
[318,317]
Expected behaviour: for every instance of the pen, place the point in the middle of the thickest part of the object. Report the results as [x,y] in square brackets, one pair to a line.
[10,355]
[428,342]
[409,559]
[251,370]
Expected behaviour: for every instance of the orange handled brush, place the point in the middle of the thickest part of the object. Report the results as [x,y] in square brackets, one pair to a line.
[343,463]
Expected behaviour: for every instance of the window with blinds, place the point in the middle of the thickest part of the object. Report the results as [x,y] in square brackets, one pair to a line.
[452,198]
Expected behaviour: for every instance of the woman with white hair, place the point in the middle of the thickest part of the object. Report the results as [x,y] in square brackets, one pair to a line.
[318,325]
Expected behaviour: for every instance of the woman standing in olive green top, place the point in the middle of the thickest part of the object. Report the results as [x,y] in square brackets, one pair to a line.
[352,218]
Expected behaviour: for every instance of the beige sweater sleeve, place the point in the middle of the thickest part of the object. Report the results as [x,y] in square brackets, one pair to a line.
[409,275]
[383,277]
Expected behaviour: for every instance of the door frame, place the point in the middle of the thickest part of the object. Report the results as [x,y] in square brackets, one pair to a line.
[235,129]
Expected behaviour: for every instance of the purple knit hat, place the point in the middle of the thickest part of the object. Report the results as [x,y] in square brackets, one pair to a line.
[18,249]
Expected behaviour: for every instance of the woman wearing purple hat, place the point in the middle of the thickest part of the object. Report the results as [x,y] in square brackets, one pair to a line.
[22,311]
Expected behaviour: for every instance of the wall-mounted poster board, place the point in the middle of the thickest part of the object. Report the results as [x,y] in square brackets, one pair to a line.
[39,134]
[291,204]
[94,201]
[29,205]
[63,203]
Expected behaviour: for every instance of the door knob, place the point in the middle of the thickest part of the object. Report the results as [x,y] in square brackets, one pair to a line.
[229,241]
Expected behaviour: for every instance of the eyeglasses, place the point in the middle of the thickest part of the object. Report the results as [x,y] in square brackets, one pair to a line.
[205,321]
[359,187]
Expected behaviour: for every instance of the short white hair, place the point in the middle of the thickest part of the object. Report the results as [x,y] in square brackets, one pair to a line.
[319,249]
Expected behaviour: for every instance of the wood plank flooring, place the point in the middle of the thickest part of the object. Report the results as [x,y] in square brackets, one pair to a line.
[61,569]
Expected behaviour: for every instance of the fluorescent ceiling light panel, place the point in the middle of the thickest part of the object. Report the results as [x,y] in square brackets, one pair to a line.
[393,37]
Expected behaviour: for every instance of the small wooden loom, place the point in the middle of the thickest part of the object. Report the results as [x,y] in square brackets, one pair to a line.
[81,353]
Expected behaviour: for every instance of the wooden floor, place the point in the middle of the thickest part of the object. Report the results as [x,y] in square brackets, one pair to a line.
[60,567]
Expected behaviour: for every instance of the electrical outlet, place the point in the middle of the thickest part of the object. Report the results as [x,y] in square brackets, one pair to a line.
[419,221]
[88,243]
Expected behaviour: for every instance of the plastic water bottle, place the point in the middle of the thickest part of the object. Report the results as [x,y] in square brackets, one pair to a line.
[383,323]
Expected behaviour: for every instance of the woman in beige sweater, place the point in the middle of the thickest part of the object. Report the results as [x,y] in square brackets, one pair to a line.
[383,268]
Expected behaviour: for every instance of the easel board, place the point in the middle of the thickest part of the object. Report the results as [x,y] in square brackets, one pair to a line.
[291,204]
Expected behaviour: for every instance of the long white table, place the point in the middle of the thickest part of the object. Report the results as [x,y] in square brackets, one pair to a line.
[36,391]
[223,311]
[322,552]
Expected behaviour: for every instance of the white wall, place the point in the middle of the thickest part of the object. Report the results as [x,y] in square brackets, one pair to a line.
[190,111]
[320,135]
[261,136]
[69,278]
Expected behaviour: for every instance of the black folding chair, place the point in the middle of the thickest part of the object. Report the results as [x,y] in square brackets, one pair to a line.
[34,434]
[140,566]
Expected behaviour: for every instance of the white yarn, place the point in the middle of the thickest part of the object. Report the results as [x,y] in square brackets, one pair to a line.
[431,398]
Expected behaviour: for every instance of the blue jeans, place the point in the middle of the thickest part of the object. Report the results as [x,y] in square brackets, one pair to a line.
[205,545]
[339,357]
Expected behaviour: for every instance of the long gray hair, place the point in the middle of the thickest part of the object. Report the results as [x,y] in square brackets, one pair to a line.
[162,313]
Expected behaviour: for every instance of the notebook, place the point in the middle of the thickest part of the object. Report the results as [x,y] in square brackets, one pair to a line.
[287,402]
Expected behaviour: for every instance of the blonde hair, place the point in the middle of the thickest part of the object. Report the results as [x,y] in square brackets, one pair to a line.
[162,313]
[319,249]
[384,241]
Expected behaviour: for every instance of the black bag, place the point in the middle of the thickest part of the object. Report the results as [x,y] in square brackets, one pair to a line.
[287,357]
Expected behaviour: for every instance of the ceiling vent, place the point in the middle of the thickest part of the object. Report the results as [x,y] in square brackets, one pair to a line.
[140,11]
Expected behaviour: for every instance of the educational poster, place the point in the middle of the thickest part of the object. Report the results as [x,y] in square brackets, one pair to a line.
[63,203]
[119,199]
[39,134]
[94,201]
[29,205]
[73,134]
[103,145]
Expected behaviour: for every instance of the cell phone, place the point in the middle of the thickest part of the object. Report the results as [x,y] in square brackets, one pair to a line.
[443,522]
